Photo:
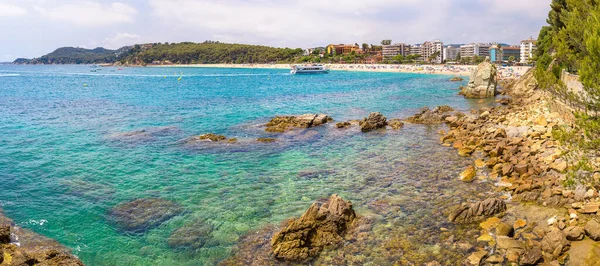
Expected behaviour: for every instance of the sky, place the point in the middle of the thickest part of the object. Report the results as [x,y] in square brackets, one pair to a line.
[32,28]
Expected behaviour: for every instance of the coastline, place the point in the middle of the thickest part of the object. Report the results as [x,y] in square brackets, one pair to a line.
[458,70]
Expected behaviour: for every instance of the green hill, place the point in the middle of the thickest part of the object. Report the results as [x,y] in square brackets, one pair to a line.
[176,53]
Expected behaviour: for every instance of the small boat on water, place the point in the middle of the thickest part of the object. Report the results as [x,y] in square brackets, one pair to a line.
[309,69]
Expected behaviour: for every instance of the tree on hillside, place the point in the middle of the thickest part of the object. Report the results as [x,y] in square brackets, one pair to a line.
[386,42]
[365,47]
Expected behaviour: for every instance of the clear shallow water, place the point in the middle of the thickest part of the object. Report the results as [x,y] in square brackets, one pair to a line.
[60,160]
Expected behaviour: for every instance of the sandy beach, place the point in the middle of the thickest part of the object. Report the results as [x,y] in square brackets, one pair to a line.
[456,70]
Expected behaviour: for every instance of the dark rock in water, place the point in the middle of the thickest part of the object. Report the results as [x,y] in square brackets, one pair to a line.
[456,79]
[191,236]
[477,211]
[143,135]
[285,123]
[396,123]
[373,122]
[4,233]
[266,140]
[141,215]
[323,224]
[303,135]
[431,117]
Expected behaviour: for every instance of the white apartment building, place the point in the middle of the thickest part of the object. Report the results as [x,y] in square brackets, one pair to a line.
[451,53]
[430,48]
[475,49]
[527,48]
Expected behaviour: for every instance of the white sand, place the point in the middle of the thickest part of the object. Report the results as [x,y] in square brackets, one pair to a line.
[458,70]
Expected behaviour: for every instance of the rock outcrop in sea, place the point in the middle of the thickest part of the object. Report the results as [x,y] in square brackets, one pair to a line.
[140,215]
[285,123]
[372,122]
[482,82]
[427,116]
[323,224]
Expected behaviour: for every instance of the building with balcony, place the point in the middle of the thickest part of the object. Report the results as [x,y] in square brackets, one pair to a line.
[451,53]
[475,49]
[528,47]
[390,51]
[496,53]
[511,51]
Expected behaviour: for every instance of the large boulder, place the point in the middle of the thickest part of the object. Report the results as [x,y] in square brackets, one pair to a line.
[482,82]
[554,243]
[323,224]
[372,122]
[285,123]
[427,116]
[477,211]
[140,215]
[592,229]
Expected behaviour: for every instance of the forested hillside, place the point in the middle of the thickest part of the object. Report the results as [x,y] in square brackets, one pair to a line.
[175,53]
[212,53]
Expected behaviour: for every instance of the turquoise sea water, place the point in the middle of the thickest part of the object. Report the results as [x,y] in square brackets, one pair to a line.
[64,162]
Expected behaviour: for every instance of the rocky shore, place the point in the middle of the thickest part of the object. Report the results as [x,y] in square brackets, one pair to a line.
[22,247]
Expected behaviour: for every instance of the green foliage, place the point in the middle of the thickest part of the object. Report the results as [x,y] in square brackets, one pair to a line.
[212,53]
[386,42]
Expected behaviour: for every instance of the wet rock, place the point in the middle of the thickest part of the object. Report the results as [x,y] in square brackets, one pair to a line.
[372,122]
[431,117]
[4,233]
[343,124]
[592,229]
[482,82]
[477,211]
[314,174]
[191,236]
[140,215]
[396,124]
[554,243]
[532,256]
[285,123]
[456,79]
[505,242]
[323,224]
[212,137]
[266,140]
[574,233]
[468,175]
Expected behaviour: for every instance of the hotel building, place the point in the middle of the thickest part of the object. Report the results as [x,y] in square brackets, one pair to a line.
[527,48]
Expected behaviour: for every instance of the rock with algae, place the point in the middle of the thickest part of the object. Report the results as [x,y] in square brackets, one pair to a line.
[323,224]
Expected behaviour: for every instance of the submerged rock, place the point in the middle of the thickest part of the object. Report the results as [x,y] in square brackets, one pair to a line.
[266,140]
[323,224]
[477,211]
[212,137]
[142,135]
[284,123]
[372,122]
[482,82]
[343,124]
[191,236]
[140,215]
[431,117]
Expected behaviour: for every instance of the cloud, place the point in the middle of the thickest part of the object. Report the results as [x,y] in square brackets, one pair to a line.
[8,10]
[120,40]
[88,13]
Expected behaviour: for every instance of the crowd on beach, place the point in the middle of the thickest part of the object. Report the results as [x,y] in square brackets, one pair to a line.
[504,72]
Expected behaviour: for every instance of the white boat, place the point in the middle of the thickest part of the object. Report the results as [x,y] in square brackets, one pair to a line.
[309,69]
